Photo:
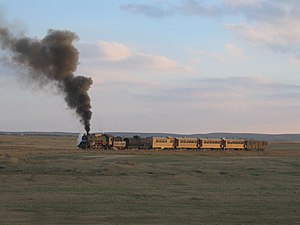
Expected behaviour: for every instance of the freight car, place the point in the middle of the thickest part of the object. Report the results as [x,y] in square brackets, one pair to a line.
[106,141]
[255,145]
[137,142]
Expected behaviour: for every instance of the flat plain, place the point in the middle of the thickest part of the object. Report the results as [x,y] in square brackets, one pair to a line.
[47,180]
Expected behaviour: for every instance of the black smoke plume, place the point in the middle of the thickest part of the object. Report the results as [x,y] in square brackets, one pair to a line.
[54,59]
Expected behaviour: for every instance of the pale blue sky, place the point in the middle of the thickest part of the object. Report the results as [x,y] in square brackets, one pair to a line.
[185,66]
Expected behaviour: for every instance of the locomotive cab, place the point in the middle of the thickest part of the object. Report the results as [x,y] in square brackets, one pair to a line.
[84,143]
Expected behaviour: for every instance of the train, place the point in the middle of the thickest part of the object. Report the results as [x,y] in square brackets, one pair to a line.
[107,141]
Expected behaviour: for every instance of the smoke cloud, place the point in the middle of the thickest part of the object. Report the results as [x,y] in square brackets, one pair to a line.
[53,59]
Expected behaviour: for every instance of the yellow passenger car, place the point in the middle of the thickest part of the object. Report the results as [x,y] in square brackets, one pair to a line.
[205,143]
[233,144]
[187,143]
[163,142]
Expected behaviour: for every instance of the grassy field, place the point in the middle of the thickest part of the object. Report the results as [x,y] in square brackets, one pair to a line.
[46,180]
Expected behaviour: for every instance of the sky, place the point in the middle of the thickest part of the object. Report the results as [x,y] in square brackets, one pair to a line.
[180,66]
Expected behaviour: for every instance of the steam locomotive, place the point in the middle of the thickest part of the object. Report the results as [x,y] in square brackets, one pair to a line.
[107,141]
[101,141]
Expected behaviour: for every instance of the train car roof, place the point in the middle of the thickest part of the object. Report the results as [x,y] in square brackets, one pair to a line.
[233,139]
[163,137]
[186,138]
[213,139]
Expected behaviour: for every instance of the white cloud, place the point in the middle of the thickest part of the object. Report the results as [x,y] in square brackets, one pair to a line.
[108,78]
[273,23]
[104,50]
[280,35]
[159,63]
[117,55]
[295,61]
[236,52]
[231,53]
[234,103]
[233,94]
[202,54]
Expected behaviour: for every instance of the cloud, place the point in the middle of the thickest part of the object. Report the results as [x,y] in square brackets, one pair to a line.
[104,50]
[250,9]
[158,63]
[115,66]
[295,61]
[282,36]
[192,7]
[272,23]
[119,56]
[253,84]
[236,52]
[236,3]
[231,53]
[148,10]
[111,79]
[232,94]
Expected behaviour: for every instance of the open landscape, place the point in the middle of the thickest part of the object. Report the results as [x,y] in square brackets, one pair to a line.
[188,112]
[47,180]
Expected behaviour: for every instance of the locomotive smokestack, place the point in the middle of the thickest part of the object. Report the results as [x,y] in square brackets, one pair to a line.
[53,58]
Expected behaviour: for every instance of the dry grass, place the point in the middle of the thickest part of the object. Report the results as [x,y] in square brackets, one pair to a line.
[46,180]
